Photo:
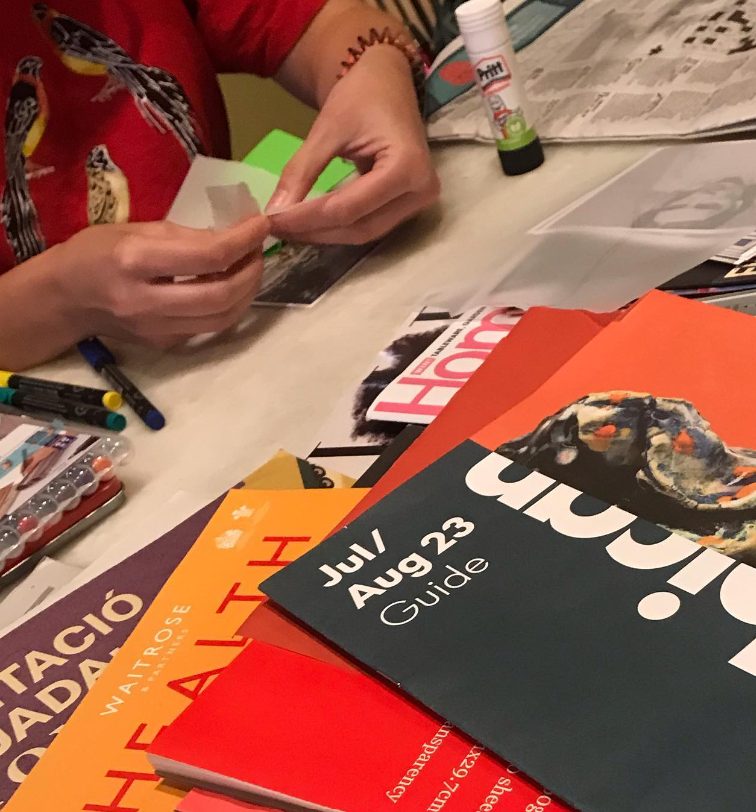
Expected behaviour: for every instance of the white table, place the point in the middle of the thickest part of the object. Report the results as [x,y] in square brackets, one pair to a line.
[231,404]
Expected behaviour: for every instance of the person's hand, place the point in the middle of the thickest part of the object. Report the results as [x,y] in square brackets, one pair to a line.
[370,117]
[118,280]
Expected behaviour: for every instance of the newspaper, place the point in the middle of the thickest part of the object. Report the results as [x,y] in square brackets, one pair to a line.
[639,70]
[740,252]
[451,75]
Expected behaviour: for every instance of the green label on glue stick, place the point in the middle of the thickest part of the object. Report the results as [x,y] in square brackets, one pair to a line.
[518,134]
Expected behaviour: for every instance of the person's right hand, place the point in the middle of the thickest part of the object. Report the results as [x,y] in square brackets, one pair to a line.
[119,279]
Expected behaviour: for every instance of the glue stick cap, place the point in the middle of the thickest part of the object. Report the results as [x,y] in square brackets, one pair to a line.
[479,16]
[483,25]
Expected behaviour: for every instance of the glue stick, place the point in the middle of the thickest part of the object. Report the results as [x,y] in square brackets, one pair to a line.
[489,48]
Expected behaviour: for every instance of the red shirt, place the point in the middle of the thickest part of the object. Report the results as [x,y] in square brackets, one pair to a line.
[108,101]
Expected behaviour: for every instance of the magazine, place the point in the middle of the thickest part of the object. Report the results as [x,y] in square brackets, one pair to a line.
[359,746]
[350,442]
[426,386]
[574,585]
[178,645]
[56,656]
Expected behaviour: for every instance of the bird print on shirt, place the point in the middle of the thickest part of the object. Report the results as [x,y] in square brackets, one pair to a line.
[107,189]
[26,117]
[157,94]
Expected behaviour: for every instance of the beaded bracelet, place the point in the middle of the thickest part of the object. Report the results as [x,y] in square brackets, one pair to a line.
[411,51]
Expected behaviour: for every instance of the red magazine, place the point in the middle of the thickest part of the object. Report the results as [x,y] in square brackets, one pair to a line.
[326,738]
[271,625]
[199,800]
[540,344]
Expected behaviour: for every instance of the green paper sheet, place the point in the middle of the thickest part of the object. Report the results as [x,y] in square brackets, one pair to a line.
[278,147]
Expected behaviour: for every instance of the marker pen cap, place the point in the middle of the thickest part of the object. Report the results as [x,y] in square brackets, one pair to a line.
[112,400]
[115,421]
[153,419]
[96,353]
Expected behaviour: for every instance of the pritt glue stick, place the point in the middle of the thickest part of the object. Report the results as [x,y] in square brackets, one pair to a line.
[489,47]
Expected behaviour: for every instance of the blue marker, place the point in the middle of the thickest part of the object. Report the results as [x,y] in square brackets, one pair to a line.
[102,360]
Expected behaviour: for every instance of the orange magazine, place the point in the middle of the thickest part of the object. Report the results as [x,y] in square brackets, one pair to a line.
[665,345]
[654,415]
[97,763]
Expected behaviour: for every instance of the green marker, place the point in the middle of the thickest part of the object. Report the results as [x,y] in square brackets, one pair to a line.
[68,410]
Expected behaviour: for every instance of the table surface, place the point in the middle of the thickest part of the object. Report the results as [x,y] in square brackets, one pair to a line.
[234,401]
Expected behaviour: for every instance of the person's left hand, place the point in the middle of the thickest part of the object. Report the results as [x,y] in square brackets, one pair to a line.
[370,117]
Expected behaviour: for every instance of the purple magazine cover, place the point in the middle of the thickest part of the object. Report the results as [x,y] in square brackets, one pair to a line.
[49,663]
